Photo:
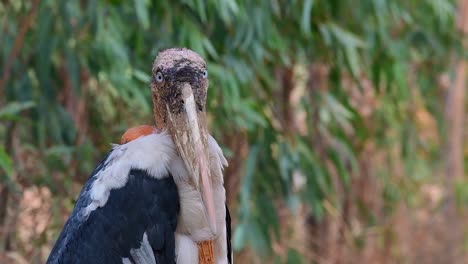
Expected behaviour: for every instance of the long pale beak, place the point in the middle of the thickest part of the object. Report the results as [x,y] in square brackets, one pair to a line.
[190,134]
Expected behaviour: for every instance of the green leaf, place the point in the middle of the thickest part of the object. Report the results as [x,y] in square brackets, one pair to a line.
[306,12]
[294,257]
[210,48]
[142,11]
[13,109]
[346,38]
[201,10]
[6,163]
[239,237]
[247,181]
[352,59]
[141,76]
[443,9]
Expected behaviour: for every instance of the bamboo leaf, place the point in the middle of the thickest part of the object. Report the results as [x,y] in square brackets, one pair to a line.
[306,13]
[13,109]
[346,38]
[6,163]
[141,8]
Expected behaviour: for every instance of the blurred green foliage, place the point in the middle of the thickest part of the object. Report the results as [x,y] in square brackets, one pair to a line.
[81,78]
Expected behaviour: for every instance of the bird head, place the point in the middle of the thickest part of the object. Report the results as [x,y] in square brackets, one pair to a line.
[179,86]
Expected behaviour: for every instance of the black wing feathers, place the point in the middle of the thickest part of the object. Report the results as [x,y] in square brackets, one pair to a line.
[228,235]
[144,204]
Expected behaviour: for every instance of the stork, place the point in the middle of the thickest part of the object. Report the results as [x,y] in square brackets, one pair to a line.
[159,195]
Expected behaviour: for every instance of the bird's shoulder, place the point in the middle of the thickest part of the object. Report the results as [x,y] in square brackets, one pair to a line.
[151,153]
[129,195]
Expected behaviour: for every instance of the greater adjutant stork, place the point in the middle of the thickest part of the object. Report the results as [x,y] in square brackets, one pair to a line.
[157,196]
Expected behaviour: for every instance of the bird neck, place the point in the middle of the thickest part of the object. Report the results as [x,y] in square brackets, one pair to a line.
[159,112]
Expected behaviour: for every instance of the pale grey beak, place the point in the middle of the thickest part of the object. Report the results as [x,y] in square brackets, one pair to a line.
[190,134]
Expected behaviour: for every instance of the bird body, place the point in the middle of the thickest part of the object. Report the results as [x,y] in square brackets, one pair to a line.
[157,196]
[118,207]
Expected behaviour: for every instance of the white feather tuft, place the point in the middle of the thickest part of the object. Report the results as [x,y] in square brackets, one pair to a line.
[144,254]
[186,250]
[151,153]
[216,151]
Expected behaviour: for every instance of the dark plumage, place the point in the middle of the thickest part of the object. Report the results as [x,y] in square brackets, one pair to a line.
[144,204]
[228,233]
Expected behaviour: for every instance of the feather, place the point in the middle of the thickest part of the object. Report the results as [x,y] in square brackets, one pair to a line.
[144,254]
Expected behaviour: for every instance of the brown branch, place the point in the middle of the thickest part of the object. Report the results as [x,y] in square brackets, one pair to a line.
[454,167]
[462,19]
[18,44]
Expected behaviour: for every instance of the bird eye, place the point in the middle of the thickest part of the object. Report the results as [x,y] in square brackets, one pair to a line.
[205,74]
[159,77]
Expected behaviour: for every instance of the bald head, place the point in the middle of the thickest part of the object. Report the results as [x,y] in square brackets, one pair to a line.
[176,58]
[173,69]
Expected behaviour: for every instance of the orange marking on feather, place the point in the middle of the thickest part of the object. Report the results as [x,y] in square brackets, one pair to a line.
[136,132]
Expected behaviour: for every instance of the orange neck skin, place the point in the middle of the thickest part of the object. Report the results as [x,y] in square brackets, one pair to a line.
[136,132]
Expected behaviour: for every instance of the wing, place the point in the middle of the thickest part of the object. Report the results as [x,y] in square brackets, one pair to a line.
[126,212]
[228,235]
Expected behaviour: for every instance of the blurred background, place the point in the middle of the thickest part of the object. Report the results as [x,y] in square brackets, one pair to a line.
[343,121]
